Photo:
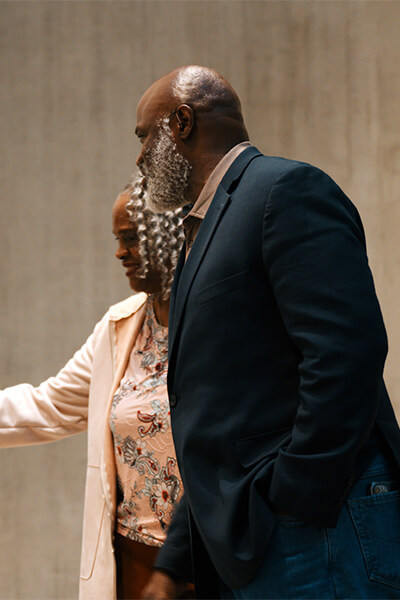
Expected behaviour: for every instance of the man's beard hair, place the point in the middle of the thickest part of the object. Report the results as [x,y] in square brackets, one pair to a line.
[167,173]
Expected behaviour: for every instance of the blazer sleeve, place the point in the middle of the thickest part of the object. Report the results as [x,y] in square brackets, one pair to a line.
[315,257]
[57,408]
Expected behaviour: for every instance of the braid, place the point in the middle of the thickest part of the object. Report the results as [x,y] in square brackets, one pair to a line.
[160,235]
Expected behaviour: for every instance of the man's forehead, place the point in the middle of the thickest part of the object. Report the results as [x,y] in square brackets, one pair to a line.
[155,102]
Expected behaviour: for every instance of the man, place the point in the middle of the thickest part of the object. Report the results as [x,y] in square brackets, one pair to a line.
[285,436]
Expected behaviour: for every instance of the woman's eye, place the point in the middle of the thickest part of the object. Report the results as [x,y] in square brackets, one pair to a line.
[127,240]
[131,239]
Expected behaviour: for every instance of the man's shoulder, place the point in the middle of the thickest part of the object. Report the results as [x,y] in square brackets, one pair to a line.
[279,165]
[265,171]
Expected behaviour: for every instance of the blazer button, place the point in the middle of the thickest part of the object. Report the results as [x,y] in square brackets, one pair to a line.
[173,400]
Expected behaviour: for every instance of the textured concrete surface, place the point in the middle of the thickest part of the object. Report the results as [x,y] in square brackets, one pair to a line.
[319,81]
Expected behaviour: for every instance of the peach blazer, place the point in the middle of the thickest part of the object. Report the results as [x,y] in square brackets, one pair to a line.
[79,398]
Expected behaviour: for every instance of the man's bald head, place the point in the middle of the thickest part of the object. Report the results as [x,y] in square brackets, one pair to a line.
[205,89]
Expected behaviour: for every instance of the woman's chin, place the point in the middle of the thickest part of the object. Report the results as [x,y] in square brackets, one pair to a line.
[138,285]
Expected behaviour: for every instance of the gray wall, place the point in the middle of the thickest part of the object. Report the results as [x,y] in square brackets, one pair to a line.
[319,81]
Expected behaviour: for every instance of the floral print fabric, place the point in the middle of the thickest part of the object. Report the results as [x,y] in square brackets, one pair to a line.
[149,484]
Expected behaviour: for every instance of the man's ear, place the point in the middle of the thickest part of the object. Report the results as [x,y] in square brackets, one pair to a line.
[185,120]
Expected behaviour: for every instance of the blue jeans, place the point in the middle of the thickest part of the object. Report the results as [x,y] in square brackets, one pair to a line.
[360,558]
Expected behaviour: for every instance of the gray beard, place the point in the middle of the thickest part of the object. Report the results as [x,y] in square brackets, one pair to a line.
[167,173]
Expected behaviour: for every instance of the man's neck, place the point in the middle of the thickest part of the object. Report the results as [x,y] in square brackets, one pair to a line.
[202,172]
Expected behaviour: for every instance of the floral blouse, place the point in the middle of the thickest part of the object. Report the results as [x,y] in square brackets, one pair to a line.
[149,484]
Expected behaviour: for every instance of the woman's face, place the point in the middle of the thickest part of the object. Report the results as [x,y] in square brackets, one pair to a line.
[125,231]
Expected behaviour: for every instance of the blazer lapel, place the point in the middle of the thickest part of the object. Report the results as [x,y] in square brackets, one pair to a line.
[186,272]
[126,331]
[193,261]
[179,266]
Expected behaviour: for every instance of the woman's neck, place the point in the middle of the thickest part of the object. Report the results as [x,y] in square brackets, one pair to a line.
[161,309]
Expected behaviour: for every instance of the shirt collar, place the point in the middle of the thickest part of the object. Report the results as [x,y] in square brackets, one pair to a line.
[206,195]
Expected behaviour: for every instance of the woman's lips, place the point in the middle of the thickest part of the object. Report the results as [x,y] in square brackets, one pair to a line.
[131,269]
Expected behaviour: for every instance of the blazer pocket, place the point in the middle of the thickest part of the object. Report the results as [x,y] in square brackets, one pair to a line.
[253,449]
[223,286]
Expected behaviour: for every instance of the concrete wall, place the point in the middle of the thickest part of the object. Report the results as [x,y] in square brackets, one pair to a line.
[319,81]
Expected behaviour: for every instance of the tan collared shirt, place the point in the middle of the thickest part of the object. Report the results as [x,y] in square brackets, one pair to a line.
[194,218]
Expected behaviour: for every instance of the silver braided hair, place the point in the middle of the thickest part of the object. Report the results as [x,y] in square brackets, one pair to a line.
[161,235]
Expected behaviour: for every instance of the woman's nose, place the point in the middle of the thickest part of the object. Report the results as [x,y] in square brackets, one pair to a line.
[121,252]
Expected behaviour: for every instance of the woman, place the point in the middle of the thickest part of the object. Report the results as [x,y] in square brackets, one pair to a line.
[115,386]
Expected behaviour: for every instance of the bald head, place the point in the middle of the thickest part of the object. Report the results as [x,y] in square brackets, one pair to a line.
[200,111]
[200,87]
[206,90]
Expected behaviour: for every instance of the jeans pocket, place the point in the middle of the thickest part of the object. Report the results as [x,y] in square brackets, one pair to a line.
[377,521]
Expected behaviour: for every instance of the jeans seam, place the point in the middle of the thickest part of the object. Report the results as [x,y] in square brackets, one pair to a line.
[330,562]
[378,470]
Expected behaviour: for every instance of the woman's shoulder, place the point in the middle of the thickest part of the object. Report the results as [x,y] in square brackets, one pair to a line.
[117,312]
[127,307]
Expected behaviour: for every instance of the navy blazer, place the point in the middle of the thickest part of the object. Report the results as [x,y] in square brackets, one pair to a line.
[276,353]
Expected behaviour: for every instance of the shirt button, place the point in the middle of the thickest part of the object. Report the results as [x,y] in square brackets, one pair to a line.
[173,400]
